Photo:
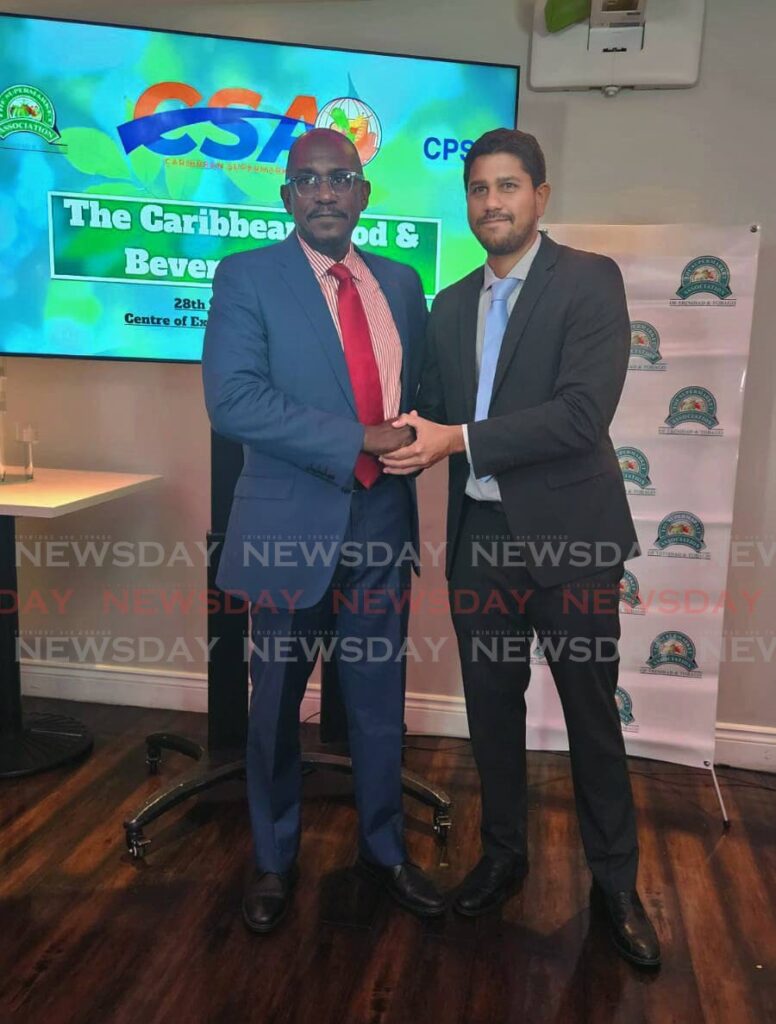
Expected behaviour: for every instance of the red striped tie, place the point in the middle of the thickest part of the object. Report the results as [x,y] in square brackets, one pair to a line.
[362,366]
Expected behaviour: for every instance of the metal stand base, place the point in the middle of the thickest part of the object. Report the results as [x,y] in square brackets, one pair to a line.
[228,692]
[44,741]
[215,771]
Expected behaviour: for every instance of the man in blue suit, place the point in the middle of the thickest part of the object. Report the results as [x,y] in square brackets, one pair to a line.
[312,349]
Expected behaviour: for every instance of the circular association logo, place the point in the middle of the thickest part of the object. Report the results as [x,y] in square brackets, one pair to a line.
[672,648]
[356,120]
[693,404]
[682,528]
[645,341]
[25,108]
[705,274]
[624,703]
[539,653]
[629,590]
[634,466]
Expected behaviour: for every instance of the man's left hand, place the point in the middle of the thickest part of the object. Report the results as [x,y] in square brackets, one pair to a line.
[434,442]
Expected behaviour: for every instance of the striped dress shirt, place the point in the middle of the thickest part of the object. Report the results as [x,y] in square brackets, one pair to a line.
[382,329]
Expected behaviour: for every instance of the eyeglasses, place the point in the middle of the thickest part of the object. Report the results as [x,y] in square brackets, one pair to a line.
[340,182]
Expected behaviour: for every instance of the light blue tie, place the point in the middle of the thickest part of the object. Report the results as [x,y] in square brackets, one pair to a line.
[495,326]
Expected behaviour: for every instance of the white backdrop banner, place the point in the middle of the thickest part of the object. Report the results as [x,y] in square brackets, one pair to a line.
[690,295]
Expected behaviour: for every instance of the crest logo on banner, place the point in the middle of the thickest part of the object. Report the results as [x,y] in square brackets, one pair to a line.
[630,598]
[539,654]
[625,707]
[645,347]
[672,649]
[634,466]
[692,405]
[680,529]
[705,275]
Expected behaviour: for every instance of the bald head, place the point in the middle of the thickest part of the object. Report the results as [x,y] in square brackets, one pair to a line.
[323,143]
[325,219]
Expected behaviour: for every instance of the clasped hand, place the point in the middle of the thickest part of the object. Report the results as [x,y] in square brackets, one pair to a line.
[387,437]
[433,442]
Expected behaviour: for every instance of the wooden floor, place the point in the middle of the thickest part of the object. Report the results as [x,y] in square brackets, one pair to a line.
[89,936]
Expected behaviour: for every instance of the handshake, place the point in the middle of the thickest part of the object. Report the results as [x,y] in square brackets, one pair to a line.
[410,444]
[384,437]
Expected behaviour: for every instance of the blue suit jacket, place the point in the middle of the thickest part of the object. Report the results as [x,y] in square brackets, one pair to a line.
[276,380]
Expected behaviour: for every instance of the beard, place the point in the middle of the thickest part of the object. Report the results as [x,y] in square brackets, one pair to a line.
[512,241]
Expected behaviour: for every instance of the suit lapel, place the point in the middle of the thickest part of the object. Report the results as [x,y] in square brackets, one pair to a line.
[395,299]
[539,276]
[471,287]
[301,280]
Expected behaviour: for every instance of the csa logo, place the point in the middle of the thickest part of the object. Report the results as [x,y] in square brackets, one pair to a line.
[624,706]
[645,347]
[258,134]
[357,121]
[705,274]
[672,648]
[693,404]
[634,466]
[629,593]
[681,528]
[24,108]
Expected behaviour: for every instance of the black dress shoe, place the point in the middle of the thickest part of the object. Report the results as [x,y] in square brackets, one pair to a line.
[489,884]
[630,929]
[407,885]
[267,899]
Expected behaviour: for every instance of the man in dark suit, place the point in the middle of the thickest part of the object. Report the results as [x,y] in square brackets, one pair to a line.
[312,349]
[526,360]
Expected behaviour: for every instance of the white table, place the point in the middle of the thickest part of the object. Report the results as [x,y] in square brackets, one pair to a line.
[42,741]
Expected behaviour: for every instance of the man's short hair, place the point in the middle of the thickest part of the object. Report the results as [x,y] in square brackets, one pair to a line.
[509,140]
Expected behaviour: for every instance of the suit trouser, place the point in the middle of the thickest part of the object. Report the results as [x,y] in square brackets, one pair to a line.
[496,608]
[358,622]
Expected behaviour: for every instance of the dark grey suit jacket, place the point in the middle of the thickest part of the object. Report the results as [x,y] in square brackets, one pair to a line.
[559,377]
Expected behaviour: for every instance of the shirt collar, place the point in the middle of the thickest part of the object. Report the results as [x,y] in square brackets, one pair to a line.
[321,263]
[519,270]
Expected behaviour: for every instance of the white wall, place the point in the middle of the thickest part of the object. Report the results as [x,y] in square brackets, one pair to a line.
[705,154]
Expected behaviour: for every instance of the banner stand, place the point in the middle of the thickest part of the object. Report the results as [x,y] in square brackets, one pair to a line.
[690,291]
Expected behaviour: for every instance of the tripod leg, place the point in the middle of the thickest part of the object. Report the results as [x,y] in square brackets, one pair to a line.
[725,819]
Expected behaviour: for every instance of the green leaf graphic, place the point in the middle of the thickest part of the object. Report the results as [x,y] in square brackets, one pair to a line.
[145,165]
[181,182]
[93,152]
